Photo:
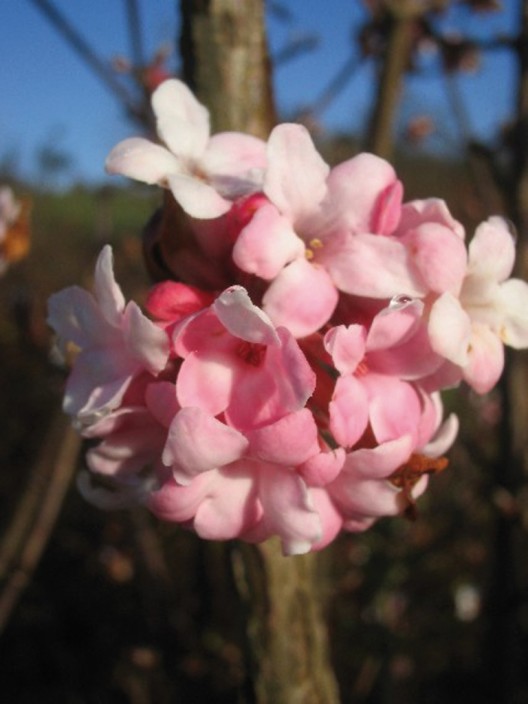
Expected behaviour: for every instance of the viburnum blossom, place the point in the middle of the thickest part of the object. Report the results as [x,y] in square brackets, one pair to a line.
[204,173]
[294,391]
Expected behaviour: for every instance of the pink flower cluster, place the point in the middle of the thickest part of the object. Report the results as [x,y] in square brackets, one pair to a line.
[288,384]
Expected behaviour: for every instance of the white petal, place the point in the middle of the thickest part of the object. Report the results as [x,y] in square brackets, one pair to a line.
[513,299]
[197,198]
[492,250]
[142,160]
[450,329]
[182,122]
[296,177]
[243,319]
[107,291]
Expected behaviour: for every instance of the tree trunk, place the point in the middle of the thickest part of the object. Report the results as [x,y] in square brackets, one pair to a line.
[225,61]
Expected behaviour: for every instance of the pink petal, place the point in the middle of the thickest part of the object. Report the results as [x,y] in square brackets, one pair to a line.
[197,442]
[288,510]
[142,160]
[394,324]
[296,173]
[230,507]
[206,381]
[281,385]
[171,301]
[411,360]
[375,267]
[323,468]
[430,210]
[331,519]
[290,441]
[364,195]
[369,497]
[439,256]
[182,122]
[160,399]
[381,461]
[349,411]
[173,502]
[346,345]
[394,407]
[242,319]
[267,244]
[302,298]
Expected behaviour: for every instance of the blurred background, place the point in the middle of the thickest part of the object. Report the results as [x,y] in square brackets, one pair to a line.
[98,607]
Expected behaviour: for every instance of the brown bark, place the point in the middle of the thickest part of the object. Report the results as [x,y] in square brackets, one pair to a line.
[286,628]
[225,59]
[226,63]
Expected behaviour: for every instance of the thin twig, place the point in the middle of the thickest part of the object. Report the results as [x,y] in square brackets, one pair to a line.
[87,54]
[37,512]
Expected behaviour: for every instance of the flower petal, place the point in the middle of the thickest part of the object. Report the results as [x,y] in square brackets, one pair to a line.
[346,345]
[513,301]
[107,291]
[290,441]
[242,319]
[197,198]
[288,510]
[450,329]
[182,122]
[485,359]
[375,267]
[142,160]
[349,411]
[302,298]
[197,442]
[235,161]
[365,194]
[144,341]
[295,179]
[492,250]
[267,244]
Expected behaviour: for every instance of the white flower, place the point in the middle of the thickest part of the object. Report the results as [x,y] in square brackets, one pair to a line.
[204,173]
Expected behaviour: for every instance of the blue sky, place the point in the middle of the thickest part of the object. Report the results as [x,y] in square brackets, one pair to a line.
[48,94]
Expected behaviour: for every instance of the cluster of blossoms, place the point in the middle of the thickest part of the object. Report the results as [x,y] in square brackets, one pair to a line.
[288,382]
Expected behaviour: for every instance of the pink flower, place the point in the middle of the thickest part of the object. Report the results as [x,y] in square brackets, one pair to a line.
[376,367]
[383,480]
[469,329]
[319,233]
[237,363]
[115,342]
[204,173]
